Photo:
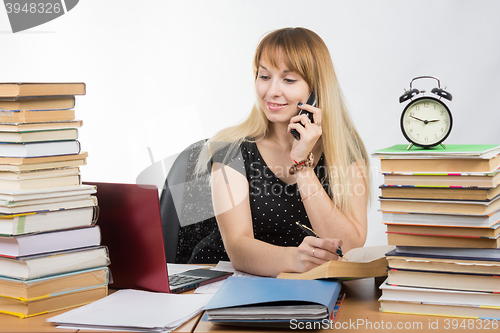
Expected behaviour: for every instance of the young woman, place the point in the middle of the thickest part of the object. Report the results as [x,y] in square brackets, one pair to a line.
[264,180]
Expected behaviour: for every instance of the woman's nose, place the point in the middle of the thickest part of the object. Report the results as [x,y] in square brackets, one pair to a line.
[274,89]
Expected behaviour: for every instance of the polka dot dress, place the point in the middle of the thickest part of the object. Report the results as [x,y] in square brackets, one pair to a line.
[275,206]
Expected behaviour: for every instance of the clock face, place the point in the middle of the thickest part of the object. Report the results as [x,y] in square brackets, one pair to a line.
[426,122]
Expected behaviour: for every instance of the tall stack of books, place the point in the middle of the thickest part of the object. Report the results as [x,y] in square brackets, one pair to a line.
[50,253]
[441,207]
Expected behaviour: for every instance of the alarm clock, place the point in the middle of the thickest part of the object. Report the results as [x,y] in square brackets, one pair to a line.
[426,121]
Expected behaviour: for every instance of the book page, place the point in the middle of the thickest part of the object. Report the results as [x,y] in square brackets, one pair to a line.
[369,253]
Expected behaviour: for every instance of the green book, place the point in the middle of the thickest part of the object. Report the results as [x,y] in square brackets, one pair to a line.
[451,150]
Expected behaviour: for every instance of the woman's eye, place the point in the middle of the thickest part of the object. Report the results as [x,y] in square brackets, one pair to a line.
[290,80]
[264,77]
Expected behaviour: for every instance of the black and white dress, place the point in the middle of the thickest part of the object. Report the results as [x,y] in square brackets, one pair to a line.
[275,205]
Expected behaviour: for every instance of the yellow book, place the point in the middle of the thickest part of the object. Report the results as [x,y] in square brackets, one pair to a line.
[14,90]
[362,262]
[30,308]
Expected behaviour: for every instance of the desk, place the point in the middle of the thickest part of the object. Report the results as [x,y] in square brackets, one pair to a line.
[359,313]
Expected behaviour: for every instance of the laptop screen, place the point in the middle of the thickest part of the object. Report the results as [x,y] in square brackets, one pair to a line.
[131,228]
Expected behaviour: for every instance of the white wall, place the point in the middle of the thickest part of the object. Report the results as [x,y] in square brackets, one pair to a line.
[163,74]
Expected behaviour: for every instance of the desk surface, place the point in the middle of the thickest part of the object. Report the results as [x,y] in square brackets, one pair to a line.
[359,313]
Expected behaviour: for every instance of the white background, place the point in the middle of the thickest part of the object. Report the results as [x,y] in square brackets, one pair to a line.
[163,74]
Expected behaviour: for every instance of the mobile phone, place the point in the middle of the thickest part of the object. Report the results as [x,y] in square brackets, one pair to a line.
[311,100]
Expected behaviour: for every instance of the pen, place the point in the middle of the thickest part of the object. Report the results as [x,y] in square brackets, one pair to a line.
[311,232]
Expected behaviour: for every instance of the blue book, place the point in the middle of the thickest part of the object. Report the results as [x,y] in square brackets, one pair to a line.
[255,300]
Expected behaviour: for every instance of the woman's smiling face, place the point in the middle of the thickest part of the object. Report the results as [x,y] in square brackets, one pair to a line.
[279,90]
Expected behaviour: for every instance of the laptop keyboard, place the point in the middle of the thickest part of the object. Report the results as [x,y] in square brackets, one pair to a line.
[177,280]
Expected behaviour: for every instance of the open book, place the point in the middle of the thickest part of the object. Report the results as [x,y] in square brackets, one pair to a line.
[362,262]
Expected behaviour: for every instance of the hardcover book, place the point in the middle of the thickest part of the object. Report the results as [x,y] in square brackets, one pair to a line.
[29,290]
[40,265]
[361,262]
[15,90]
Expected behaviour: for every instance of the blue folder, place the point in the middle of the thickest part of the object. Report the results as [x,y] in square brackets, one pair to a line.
[255,291]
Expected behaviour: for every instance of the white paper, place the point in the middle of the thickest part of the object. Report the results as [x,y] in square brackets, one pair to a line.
[224,266]
[128,309]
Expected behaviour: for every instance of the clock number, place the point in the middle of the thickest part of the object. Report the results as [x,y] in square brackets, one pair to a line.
[436,136]
[417,107]
[418,136]
[426,138]
[426,104]
[446,121]
[441,112]
[407,121]
[411,114]
[442,130]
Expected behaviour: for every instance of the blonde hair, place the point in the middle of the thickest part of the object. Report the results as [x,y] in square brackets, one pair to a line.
[306,54]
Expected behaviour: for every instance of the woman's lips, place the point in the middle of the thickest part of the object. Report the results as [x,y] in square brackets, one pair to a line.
[275,106]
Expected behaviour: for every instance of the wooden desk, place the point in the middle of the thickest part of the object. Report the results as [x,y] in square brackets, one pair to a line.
[359,313]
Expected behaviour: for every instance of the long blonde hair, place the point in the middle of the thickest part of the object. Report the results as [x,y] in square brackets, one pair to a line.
[306,54]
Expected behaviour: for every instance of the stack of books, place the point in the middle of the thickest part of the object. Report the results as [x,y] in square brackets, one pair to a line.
[50,253]
[441,207]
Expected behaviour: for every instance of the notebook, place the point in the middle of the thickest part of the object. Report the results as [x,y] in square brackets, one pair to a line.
[131,228]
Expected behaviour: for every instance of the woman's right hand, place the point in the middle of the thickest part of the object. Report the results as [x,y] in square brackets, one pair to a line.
[314,251]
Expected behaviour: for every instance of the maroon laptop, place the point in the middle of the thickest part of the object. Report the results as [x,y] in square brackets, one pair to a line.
[131,228]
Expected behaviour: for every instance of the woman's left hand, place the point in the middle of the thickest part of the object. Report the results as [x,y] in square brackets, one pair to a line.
[309,132]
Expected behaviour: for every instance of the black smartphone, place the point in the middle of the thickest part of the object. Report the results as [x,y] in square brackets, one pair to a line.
[311,100]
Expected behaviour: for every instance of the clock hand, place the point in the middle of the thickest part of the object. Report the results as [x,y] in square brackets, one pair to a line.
[418,119]
[432,121]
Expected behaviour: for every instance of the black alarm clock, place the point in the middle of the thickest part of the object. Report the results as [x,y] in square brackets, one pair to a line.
[426,121]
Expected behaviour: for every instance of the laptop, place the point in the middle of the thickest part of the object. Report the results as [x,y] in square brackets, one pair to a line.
[131,229]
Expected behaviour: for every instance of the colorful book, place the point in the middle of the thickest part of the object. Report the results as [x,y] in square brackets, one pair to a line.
[35,174]
[39,103]
[485,180]
[424,239]
[25,245]
[474,311]
[444,280]
[27,223]
[452,231]
[36,116]
[72,202]
[38,288]
[15,90]
[449,193]
[431,295]
[440,206]
[18,164]
[13,197]
[71,180]
[445,220]
[39,136]
[450,253]
[444,263]
[40,126]
[443,165]
[40,149]
[41,265]
[451,151]
[30,308]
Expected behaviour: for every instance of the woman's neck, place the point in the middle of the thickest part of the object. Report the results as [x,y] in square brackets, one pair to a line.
[278,134]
